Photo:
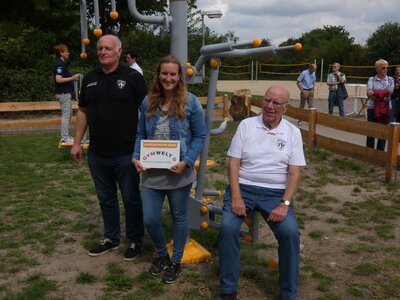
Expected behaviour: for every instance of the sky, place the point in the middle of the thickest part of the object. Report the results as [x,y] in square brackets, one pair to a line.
[279,20]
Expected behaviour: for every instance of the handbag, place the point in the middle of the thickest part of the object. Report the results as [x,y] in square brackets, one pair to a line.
[342,92]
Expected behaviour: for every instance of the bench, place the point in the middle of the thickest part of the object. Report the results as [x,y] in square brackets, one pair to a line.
[32,106]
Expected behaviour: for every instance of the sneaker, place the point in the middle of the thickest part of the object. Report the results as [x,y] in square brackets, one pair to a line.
[105,246]
[68,140]
[159,264]
[171,272]
[132,251]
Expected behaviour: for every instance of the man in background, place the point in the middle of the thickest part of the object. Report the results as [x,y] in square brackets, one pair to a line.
[305,83]
[131,58]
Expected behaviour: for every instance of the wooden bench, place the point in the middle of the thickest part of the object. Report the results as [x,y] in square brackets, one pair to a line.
[32,106]
[55,106]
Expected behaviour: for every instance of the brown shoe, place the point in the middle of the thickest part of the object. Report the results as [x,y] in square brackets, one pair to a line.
[232,296]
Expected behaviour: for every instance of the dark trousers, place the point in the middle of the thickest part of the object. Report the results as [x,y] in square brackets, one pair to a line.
[107,173]
[371,140]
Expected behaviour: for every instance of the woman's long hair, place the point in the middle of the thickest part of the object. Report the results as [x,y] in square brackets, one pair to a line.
[157,96]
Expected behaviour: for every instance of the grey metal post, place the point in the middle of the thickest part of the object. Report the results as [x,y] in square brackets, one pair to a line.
[84,35]
[201,175]
[96,14]
[178,9]
[113,7]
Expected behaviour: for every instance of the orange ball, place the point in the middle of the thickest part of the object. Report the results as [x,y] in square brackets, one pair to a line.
[189,72]
[97,32]
[204,209]
[257,42]
[83,55]
[214,63]
[86,41]
[272,263]
[204,225]
[114,15]
[248,221]
[248,238]
[298,46]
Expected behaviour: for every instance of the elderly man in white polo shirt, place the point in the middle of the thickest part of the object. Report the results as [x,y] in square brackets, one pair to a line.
[265,158]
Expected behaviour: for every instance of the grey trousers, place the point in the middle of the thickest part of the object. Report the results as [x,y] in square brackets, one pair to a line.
[66,114]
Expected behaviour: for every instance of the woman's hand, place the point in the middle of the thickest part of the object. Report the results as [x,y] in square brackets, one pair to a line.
[138,165]
[178,168]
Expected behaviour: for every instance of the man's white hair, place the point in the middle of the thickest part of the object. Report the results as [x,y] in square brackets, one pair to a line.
[118,43]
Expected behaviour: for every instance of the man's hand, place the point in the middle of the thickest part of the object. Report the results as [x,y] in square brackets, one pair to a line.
[76,153]
[237,206]
[138,165]
[279,213]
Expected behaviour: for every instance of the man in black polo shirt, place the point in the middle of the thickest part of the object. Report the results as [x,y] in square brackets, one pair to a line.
[108,104]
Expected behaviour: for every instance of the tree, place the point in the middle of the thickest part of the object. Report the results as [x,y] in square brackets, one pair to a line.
[384,43]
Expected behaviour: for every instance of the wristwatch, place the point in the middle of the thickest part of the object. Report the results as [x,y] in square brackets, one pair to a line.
[286,202]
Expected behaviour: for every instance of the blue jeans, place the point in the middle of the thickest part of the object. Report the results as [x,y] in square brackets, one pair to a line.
[332,98]
[263,200]
[107,172]
[152,212]
[370,139]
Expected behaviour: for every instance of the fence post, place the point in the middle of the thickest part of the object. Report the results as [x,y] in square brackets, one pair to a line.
[392,153]
[312,124]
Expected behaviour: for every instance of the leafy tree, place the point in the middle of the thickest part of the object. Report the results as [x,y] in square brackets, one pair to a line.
[384,43]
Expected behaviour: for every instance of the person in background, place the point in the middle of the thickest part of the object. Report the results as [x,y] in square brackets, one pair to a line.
[108,104]
[305,83]
[64,89]
[379,82]
[265,160]
[169,112]
[333,81]
[131,57]
[395,97]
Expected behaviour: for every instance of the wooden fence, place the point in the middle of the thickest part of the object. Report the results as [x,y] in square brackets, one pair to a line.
[390,132]
[55,106]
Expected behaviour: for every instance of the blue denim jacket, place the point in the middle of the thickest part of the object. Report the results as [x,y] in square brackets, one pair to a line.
[191,131]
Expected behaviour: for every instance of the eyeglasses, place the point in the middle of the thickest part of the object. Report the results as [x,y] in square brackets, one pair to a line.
[274,103]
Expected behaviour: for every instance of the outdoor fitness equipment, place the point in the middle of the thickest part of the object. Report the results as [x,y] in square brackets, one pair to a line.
[202,211]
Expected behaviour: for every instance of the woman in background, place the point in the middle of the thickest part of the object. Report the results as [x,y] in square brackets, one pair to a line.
[379,89]
[64,88]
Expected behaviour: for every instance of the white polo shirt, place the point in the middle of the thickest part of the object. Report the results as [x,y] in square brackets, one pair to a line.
[266,154]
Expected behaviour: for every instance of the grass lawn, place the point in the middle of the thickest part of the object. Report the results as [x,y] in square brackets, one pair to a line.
[49,217]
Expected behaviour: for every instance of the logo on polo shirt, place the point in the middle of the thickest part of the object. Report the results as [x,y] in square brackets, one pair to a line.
[59,70]
[281,144]
[121,84]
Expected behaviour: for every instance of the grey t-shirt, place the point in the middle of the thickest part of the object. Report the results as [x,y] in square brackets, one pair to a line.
[163,179]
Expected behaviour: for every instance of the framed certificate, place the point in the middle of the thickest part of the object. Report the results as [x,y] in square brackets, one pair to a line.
[159,154]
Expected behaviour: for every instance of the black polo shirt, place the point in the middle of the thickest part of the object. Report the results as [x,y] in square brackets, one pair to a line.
[112,101]
[60,68]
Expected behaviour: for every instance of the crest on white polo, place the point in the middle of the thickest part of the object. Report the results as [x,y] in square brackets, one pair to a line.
[281,144]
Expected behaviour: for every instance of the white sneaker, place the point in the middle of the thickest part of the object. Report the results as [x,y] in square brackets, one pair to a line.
[69,140]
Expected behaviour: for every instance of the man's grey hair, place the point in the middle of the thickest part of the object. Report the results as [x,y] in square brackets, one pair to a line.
[116,39]
[336,64]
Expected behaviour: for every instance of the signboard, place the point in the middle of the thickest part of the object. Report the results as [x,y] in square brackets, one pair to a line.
[159,154]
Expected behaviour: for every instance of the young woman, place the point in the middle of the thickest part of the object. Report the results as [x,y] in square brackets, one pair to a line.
[64,88]
[169,113]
